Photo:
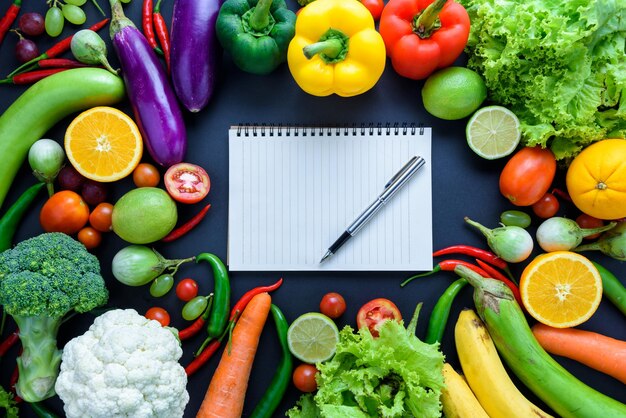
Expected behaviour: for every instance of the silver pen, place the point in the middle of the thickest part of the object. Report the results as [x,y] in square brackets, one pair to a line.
[392,186]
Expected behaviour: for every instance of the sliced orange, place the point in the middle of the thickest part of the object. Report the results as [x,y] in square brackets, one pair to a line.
[561,289]
[103,144]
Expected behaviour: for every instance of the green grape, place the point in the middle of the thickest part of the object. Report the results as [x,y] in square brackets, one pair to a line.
[73,14]
[54,21]
[125,1]
[76,2]
[194,308]
[161,285]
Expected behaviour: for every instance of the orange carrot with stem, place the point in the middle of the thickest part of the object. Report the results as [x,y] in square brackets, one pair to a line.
[227,391]
[602,353]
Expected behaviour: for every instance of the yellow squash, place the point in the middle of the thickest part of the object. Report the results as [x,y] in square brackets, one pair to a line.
[336,49]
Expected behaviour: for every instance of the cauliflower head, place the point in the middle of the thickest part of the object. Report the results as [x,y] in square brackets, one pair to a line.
[124,366]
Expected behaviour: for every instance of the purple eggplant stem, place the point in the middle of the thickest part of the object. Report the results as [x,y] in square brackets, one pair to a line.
[151,96]
[195,51]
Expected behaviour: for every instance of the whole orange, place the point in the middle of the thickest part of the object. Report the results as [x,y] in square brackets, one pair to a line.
[596,179]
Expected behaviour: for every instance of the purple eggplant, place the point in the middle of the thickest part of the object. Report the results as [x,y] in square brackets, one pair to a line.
[195,51]
[152,98]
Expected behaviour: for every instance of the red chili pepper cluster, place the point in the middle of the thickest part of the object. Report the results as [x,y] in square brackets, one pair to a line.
[9,17]
[154,27]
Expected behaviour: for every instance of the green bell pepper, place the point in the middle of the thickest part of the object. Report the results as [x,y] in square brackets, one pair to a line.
[256,33]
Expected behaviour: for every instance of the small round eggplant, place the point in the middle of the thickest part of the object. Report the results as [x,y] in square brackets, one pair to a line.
[152,98]
[195,51]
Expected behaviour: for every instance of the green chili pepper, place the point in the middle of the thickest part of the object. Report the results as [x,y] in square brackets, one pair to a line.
[612,288]
[256,33]
[441,312]
[276,390]
[41,411]
[11,219]
[221,295]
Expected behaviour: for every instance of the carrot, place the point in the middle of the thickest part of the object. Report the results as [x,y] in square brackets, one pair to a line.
[602,353]
[226,393]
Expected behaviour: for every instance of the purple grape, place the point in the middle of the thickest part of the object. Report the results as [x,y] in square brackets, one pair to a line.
[70,179]
[94,192]
[32,24]
[26,50]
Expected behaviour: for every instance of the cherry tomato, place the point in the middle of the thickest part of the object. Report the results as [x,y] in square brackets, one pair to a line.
[527,176]
[90,237]
[158,314]
[146,175]
[588,221]
[187,183]
[375,312]
[64,211]
[333,305]
[100,217]
[161,285]
[547,206]
[304,377]
[187,289]
[375,7]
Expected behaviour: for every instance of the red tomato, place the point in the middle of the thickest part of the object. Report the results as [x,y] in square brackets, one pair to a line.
[146,175]
[304,378]
[100,217]
[333,305]
[527,176]
[90,237]
[187,289]
[375,312]
[588,221]
[375,7]
[64,211]
[547,206]
[187,183]
[158,314]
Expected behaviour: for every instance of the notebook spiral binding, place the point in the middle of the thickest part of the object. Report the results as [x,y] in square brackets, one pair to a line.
[388,128]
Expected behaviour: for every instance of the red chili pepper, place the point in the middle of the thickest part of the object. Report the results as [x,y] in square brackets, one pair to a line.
[162,33]
[476,252]
[8,18]
[562,194]
[9,342]
[147,25]
[55,50]
[13,380]
[187,226]
[31,76]
[447,265]
[206,354]
[60,63]
[495,274]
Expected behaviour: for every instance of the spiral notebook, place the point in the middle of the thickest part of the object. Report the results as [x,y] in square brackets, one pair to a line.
[294,190]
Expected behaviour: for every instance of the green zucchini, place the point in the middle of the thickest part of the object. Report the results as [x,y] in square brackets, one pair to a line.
[43,105]
[544,376]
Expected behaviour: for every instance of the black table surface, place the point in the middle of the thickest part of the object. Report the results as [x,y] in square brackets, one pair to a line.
[463,185]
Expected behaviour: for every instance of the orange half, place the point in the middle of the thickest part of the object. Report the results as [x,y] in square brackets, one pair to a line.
[561,289]
[103,144]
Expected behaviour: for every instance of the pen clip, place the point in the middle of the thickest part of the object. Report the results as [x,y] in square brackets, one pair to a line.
[401,172]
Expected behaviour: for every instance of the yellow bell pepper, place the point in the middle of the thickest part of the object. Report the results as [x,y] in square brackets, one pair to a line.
[336,49]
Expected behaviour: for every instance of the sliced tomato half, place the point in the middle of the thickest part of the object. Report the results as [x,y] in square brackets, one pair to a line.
[375,312]
[187,183]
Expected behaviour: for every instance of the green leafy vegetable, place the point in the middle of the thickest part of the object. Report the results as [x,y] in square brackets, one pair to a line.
[558,65]
[8,404]
[394,375]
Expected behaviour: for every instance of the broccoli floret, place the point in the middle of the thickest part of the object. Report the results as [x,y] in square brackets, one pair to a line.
[42,279]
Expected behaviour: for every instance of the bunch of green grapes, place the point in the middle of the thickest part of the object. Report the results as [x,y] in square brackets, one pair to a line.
[70,10]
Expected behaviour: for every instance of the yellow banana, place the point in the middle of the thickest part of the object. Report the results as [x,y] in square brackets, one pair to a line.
[485,373]
[457,398]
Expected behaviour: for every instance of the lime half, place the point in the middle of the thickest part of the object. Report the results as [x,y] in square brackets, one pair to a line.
[493,132]
[313,337]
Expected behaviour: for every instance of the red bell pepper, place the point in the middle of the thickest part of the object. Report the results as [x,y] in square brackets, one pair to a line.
[422,36]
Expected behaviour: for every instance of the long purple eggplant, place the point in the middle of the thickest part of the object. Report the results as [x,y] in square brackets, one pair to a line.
[152,98]
[195,51]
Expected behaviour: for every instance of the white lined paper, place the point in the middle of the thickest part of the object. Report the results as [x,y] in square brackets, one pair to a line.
[292,193]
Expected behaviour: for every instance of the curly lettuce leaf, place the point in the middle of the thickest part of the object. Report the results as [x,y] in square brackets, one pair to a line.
[8,404]
[394,375]
[559,66]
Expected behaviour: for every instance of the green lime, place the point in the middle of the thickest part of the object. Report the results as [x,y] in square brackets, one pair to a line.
[493,132]
[453,93]
[313,337]
[144,215]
